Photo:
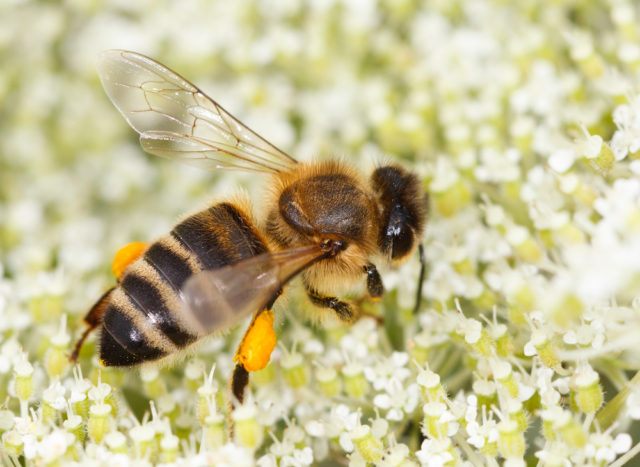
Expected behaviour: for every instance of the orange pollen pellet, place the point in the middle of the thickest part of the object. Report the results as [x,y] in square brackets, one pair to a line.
[125,256]
[255,349]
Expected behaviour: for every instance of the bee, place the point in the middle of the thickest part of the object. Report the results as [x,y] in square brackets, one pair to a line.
[324,221]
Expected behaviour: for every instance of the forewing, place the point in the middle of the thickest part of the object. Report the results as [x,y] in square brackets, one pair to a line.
[220,298]
[177,120]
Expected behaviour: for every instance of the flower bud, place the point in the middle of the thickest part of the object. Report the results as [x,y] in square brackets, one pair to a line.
[486,393]
[265,376]
[206,398]
[436,420]
[570,431]
[429,382]
[328,381]
[193,374]
[546,350]
[169,449]
[294,370]
[99,421]
[522,302]
[355,383]
[369,447]
[117,442]
[247,431]
[153,385]
[214,431]
[516,413]
[143,437]
[605,160]
[167,406]
[184,424]
[510,439]
[73,424]
[588,392]
[23,384]
[503,374]
[453,199]
[398,456]
[503,341]
[12,443]
[56,359]
[80,403]
[525,247]
[421,348]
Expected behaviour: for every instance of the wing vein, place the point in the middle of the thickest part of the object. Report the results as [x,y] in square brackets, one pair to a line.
[156,101]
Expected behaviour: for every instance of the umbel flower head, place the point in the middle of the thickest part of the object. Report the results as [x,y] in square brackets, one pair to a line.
[522,122]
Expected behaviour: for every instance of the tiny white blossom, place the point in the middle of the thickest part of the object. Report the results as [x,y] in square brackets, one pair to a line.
[435,453]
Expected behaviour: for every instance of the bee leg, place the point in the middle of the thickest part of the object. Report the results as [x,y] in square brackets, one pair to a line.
[374,282]
[423,265]
[93,319]
[343,309]
[125,256]
[254,351]
[239,381]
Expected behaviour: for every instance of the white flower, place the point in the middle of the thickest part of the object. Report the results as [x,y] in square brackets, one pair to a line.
[601,447]
[340,419]
[480,434]
[496,167]
[435,452]
[398,400]
[54,395]
[627,138]
[471,329]
[100,392]
[394,367]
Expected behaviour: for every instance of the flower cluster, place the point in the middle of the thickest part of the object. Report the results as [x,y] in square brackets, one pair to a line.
[522,119]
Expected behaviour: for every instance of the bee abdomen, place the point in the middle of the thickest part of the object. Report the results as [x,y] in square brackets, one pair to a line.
[146,319]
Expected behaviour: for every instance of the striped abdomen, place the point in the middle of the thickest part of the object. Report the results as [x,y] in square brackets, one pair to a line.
[145,319]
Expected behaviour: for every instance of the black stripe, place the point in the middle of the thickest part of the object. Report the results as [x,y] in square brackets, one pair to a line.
[122,343]
[169,265]
[148,300]
[192,234]
[241,240]
[113,354]
[246,239]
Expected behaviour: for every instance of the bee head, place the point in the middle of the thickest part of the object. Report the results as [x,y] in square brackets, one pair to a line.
[403,210]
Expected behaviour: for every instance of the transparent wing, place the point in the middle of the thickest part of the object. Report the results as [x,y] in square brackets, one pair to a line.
[220,298]
[178,121]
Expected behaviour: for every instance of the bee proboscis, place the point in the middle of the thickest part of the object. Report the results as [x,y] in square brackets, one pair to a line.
[324,221]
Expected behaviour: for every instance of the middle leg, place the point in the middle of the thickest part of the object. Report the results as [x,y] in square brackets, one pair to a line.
[344,310]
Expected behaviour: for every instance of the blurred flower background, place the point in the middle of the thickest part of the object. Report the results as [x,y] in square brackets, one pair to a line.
[523,120]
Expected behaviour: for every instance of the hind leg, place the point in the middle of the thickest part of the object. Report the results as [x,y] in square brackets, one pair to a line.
[93,319]
[254,351]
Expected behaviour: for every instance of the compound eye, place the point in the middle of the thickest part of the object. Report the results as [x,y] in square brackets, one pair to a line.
[401,236]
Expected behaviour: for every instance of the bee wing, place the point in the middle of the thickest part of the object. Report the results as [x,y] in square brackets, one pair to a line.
[177,120]
[222,297]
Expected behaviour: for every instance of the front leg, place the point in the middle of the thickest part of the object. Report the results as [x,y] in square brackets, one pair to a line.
[344,310]
[374,282]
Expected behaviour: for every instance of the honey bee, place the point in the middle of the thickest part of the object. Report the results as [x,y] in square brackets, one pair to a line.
[324,222]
